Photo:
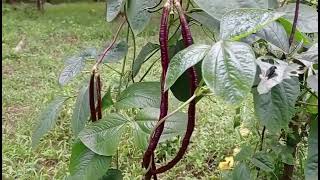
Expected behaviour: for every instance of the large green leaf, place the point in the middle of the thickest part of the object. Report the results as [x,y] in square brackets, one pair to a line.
[81,111]
[263,161]
[116,53]
[240,23]
[276,108]
[183,82]
[87,165]
[140,95]
[275,34]
[244,154]
[73,67]
[147,118]
[113,9]
[145,51]
[241,171]
[218,8]
[113,174]
[183,60]
[310,55]
[47,119]
[311,168]
[138,15]
[229,70]
[307,19]
[103,137]
[298,36]
[206,20]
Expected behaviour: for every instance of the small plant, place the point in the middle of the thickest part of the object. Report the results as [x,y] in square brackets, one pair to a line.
[258,48]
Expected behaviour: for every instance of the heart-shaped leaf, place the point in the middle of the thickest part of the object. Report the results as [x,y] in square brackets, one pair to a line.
[140,95]
[85,164]
[276,108]
[239,23]
[229,70]
[183,60]
[103,137]
[47,119]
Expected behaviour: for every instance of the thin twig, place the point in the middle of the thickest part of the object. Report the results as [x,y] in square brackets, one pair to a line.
[148,70]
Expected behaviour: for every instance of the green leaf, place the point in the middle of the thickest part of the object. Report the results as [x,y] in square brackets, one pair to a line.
[263,161]
[81,111]
[103,137]
[113,9]
[229,70]
[307,19]
[47,119]
[275,34]
[298,36]
[240,172]
[239,23]
[138,16]
[113,174]
[116,53]
[147,118]
[218,8]
[276,108]
[312,108]
[183,82]
[313,82]
[140,95]
[206,20]
[311,168]
[310,55]
[107,100]
[245,153]
[73,67]
[183,60]
[145,51]
[85,164]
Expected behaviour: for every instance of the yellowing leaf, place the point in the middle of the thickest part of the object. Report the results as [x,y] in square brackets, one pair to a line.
[227,164]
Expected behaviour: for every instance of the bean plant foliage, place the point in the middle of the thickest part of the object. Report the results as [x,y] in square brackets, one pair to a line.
[259,48]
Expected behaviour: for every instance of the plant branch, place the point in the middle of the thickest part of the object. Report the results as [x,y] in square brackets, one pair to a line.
[148,70]
[109,47]
[295,20]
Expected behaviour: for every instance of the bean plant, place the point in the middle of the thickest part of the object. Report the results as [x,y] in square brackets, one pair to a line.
[260,48]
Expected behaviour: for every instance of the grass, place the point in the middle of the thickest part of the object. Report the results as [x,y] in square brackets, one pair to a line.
[30,82]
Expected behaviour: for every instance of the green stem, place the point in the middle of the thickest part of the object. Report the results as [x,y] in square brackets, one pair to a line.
[118,72]
[123,67]
[148,70]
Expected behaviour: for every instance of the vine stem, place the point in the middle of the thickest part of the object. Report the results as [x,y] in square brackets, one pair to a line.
[295,20]
[148,70]
[172,113]
[109,47]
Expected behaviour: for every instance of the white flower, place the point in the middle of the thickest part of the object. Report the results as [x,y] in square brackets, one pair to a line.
[273,74]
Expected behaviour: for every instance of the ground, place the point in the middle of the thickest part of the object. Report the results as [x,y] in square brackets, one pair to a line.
[30,81]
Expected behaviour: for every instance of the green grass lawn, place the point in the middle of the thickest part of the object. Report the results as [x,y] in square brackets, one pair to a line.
[30,81]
